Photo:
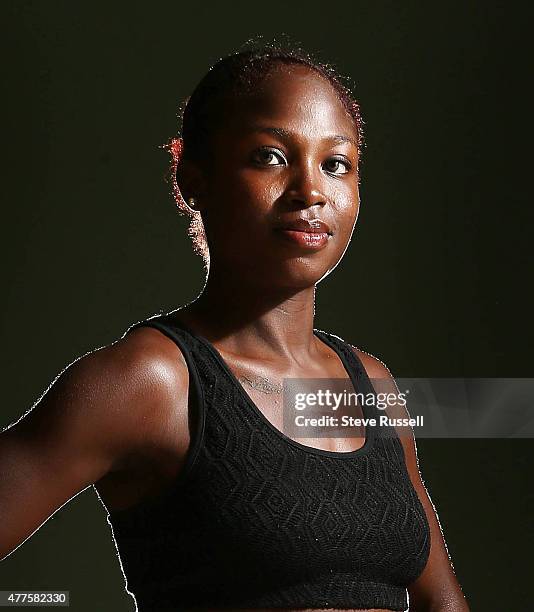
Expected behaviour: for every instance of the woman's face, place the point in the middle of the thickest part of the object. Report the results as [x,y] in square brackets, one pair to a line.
[283,156]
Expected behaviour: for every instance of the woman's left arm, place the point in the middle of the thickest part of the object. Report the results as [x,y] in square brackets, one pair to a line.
[436,589]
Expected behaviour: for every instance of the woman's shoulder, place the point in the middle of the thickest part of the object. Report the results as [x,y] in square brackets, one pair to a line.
[134,387]
[153,367]
[374,366]
[145,348]
[377,371]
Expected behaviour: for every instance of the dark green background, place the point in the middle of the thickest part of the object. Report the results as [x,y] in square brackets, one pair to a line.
[436,282]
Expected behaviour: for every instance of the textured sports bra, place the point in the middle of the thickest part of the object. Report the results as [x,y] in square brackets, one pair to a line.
[258,520]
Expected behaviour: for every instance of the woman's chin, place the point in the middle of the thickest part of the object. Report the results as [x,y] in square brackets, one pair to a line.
[297,274]
[273,272]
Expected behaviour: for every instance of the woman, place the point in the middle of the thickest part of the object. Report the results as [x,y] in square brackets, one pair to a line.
[179,423]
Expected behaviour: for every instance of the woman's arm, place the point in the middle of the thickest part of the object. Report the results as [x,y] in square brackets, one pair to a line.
[436,589]
[103,408]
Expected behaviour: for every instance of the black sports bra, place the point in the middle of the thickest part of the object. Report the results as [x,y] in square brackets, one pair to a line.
[258,520]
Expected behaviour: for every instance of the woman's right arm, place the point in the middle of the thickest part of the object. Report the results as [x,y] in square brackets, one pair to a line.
[103,408]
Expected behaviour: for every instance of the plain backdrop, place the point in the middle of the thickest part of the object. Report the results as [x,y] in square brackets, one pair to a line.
[435,283]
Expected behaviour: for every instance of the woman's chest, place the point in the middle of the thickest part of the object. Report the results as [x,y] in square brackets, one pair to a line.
[271,392]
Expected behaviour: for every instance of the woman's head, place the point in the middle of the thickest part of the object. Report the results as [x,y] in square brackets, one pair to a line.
[269,136]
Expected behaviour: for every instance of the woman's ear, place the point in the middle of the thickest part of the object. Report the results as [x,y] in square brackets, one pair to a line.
[191,182]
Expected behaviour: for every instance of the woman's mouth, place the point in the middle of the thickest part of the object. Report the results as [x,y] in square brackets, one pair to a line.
[306,239]
[310,234]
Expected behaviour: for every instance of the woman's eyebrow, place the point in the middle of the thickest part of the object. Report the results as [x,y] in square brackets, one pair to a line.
[284,134]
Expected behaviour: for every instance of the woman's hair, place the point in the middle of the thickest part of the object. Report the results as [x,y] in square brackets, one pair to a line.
[232,77]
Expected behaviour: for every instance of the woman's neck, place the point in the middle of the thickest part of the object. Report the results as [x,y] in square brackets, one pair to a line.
[245,320]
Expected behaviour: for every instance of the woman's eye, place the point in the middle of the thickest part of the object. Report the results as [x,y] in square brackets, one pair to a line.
[268,157]
[336,165]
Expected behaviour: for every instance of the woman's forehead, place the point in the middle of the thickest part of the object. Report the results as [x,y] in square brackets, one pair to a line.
[286,85]
[296,99]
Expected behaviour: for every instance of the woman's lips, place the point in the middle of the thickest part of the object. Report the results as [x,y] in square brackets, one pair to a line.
[312,240]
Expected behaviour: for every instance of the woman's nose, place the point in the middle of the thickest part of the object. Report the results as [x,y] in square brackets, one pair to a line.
[304,188]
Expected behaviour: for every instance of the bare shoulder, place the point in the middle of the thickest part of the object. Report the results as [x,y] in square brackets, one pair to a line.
[148,356]
[374,367]
[149,376]
[107,412]
[384,383]
[113,401]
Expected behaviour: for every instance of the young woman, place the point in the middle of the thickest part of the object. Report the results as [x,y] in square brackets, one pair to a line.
[179,423]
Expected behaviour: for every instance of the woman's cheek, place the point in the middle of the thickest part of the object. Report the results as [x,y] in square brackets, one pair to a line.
[345,205]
